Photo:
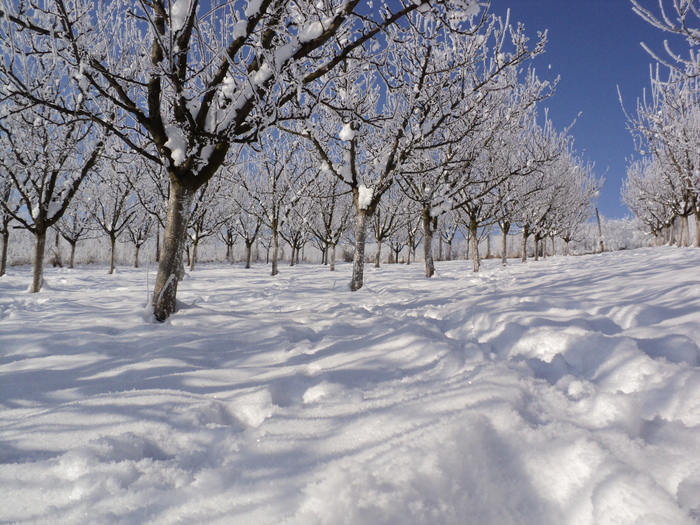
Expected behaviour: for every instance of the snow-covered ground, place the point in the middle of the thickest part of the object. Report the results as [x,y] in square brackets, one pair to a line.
[560,392]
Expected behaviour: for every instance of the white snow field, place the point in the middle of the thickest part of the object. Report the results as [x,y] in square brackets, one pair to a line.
[565,391]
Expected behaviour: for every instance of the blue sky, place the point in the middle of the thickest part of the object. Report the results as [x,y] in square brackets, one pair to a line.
[594,46]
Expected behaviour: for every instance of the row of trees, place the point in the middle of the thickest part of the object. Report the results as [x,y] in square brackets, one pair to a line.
[663,187]
[274,113]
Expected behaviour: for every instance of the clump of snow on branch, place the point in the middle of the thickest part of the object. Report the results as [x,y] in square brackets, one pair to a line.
[365,196]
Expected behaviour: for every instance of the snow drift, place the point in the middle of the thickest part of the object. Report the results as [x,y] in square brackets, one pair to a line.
[560,392]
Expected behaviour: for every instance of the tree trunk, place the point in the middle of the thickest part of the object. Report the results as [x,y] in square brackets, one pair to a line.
[378,255]
[473,237]
[566,247]
[601,244]
[112,250]
[71,257]
[294,253]
[248,254]
[39,249]
[697,228]
[505,228]
[684,233]
[275,248]
[358,261]
[537,246]
[170,263]
[137,249]
[193,257]
[488,245]
[331,256]
[157,243]
[428,232]
[3,252]
[526,234]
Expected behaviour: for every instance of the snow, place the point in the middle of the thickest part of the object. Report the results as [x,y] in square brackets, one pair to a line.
[347,133]
[365,196]
[176,143]
[310,32]
[565,391]
[178,14]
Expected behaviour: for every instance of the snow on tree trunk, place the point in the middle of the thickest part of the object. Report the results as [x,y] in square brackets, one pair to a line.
[358,261]
[3,252]
[38,265]
[428,242]
[331,256]
[505,228]
[170,263]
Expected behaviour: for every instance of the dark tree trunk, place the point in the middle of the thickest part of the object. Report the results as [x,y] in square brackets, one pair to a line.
[275,249]
[331,256]
[428,230]
[170,263]
[3,252]
[473,237]
[248,254]
[112,252]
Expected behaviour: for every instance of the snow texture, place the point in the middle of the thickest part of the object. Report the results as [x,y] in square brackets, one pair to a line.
[560,392]
[347,133]
[365,196]
[178,14]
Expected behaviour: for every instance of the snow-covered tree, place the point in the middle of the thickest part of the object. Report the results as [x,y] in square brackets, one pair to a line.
[666,126]
[182,82]
[9,205]
[139,230]
[680,17]
[388,219]
[110,200]
[383,120]
[273,178]
[76,224]
[330,215]
[46,156]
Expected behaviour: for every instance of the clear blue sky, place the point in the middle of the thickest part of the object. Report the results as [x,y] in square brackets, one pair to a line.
[594,46]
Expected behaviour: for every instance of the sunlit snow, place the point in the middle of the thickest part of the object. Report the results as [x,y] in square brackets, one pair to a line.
[565,391]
